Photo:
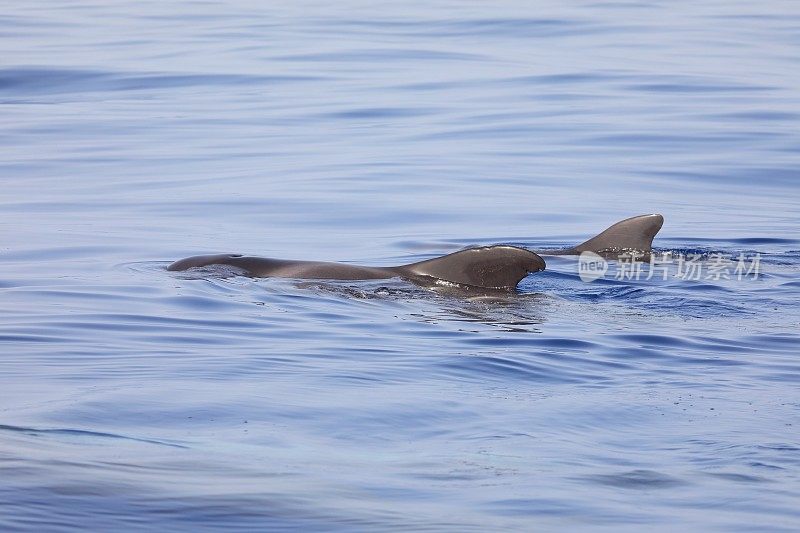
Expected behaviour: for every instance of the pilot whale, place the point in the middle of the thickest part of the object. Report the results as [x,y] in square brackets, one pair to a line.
[487,267]
[632,236]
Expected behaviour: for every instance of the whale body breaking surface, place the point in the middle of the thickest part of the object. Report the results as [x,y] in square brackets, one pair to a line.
[488,267]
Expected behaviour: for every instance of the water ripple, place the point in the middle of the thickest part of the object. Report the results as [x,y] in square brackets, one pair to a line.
[134,134]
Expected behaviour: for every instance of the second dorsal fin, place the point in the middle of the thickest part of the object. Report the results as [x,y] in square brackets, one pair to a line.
[635,233]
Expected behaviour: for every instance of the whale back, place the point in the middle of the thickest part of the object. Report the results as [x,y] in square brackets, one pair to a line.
[283,268]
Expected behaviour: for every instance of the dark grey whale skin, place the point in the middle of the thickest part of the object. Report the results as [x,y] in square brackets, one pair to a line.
[633,235]
[489,267]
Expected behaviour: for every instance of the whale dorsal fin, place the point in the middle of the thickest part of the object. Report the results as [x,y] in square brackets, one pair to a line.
[493,267]
[635,233]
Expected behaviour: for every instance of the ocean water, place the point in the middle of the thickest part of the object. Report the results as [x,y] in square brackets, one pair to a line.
[136,133]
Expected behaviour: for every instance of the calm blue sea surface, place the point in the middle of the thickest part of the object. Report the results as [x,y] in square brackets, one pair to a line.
[136,133]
